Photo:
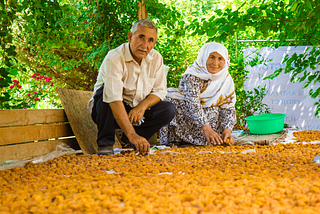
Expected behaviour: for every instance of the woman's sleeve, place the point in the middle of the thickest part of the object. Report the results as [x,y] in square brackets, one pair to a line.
[228,118]
[192,87]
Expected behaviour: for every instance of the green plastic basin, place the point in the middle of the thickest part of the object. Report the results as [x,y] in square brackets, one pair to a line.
[266,123]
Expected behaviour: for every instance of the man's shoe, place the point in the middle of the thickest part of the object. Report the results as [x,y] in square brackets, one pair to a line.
[105,150]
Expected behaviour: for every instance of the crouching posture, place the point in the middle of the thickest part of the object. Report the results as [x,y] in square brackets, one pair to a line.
[128,94]
[204,100]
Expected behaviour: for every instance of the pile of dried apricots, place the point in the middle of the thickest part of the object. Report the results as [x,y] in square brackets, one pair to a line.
[239,127]
[307,136]
[205,179]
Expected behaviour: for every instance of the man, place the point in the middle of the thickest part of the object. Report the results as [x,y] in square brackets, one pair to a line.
[128,94]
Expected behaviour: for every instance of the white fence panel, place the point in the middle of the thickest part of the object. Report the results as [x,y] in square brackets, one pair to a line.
[284,96]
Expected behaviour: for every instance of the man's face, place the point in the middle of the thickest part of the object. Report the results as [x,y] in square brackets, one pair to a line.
[142,42]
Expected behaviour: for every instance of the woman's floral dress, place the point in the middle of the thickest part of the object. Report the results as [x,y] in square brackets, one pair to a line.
[191,116]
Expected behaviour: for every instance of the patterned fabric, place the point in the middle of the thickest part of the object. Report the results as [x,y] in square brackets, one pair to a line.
[191,115]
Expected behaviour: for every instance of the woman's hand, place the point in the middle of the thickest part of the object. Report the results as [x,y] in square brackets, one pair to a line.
[226,137]
[211,136]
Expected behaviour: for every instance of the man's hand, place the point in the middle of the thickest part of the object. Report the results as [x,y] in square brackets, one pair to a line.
[211,136]
[141,144]
[125,120]
[120,115]
[226,137]
[135,114]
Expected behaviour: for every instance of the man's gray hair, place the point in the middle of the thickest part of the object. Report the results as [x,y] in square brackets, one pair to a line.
[145,23]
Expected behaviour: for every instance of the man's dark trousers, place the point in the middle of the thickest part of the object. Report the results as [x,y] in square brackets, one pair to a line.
[155,117]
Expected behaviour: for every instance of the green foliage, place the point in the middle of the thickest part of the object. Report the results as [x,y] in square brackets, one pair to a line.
[64,40]
[280,20]
[297,65]
[251,103]
[8,10]
[67,40]
[286,125]
[31,91]
[175,42]
[248,102]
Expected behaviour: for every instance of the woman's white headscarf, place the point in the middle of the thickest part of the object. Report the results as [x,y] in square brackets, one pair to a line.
[220,88]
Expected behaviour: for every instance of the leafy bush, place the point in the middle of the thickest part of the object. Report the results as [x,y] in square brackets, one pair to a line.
[31,91]
[68,41]
[251,103]
[290,22]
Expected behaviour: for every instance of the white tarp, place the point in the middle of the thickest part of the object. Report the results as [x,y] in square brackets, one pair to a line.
[282,95]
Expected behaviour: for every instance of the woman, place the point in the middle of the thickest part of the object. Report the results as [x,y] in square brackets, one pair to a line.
[205,97]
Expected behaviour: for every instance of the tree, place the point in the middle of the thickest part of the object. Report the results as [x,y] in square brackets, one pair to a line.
[67,40]
[8,10]
[274,20]
[62,40]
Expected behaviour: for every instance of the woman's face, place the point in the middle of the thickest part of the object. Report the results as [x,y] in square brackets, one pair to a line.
[215,63]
